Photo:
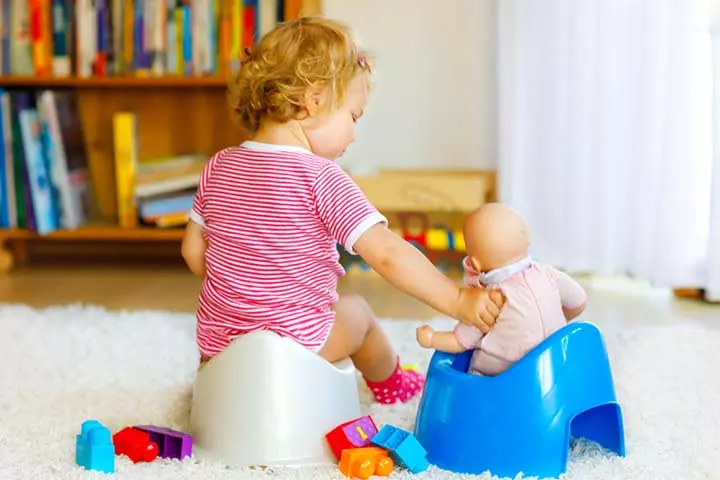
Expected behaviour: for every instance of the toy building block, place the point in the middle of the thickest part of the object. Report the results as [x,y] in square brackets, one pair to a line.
[135,444]
[365,462]
[171,443]
[93,447]
[353,434]
[403,447]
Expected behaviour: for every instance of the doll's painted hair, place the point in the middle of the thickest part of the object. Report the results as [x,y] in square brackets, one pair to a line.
[274,78]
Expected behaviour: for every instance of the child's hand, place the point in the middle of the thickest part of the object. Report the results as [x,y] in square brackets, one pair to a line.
[425,335]
[480,307]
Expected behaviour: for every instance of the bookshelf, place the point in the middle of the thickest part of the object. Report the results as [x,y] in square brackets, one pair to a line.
[176,114]
[112,82]
[165,127]
[98,232]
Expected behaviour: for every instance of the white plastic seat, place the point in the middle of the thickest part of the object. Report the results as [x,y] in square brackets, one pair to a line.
[266,400]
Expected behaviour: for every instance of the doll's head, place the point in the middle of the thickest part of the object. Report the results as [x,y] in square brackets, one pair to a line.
[495,236]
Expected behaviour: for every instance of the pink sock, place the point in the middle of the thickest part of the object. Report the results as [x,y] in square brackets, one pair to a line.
[401,386]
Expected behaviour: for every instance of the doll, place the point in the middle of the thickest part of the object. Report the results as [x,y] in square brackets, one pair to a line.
[539,299]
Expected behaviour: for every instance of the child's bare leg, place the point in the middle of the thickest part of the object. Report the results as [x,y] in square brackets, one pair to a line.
[357,334]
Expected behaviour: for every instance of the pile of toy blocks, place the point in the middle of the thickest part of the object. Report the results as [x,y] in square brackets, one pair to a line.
[363,451]
[95,449]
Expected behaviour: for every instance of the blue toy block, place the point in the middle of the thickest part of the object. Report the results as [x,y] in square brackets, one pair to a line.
[94,449]
[403,447]
[523,419]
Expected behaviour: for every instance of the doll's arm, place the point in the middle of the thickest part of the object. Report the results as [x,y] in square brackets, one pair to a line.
[443,341]
[572,295]
[572,313]
[463,338]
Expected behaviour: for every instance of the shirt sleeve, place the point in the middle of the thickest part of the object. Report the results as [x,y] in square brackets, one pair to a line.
[572,294]
[197,213]
[468,336]
[342,207]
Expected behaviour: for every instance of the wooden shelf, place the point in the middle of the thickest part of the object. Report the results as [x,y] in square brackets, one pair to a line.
[113,82]
[175,115]
[14,242]
[98,232]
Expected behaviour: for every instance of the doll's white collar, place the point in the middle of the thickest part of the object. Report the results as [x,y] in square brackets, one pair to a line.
[493,277]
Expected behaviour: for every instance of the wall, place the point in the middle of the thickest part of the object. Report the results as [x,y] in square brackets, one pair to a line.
[434,100]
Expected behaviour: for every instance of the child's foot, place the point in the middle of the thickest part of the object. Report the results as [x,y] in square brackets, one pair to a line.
[401,386]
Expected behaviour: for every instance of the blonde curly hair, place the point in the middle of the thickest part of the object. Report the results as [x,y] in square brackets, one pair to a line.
[288,60]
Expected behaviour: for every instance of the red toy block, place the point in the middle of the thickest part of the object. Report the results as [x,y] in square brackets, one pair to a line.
[353,434]
[135,444]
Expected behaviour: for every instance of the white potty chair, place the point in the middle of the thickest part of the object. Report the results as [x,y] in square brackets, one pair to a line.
[266,400]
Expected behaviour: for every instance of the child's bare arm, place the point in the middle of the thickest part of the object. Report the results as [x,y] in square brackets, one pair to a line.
[409,270]
[443,341]
[193,248]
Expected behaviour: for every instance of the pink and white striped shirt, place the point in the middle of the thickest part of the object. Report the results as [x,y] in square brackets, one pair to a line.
[272,216]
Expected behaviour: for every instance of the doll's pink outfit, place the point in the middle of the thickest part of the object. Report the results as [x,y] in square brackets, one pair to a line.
[535,296]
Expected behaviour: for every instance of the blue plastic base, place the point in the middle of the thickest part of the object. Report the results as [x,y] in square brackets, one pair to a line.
[522,420]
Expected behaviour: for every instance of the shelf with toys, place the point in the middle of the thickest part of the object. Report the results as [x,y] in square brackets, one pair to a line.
[121,129]
[432,221]
[70,109]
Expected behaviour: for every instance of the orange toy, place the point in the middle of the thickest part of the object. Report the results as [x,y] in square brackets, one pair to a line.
[365,462]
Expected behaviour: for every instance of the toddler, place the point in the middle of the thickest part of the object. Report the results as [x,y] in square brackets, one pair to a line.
[269,213]
[539,298]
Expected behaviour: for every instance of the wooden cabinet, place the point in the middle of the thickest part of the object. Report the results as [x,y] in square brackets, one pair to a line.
[428,190]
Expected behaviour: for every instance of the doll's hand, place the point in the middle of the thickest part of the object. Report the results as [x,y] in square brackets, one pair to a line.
[425,335]
[480,307]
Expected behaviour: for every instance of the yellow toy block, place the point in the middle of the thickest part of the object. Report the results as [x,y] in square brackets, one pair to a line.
[459,241]
[437,239]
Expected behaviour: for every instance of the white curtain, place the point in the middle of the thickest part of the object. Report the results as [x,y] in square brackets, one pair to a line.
[605,133]
[712,289]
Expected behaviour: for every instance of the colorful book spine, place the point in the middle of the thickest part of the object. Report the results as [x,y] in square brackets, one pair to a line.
[8,166]
[124,138]
[41,193]
[187,45]
[5,37]
[20,101]
[21,59]
[61,65]
[71,209]
[5,197]
[103,55]
[87,38]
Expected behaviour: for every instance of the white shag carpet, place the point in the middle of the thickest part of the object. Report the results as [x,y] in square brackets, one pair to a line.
[61,366]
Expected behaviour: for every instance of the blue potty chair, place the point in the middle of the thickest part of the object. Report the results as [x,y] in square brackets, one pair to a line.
[521,420]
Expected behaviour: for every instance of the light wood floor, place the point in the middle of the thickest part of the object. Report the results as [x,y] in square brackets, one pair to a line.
[158,287]
[165,288]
